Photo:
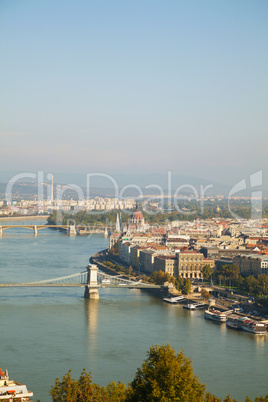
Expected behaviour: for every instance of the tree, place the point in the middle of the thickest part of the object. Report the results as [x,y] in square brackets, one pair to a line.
[187,287]
[166,377]
[115,392]
[65,390]
[212,398]
[163,377]
[207,271]
[83,390]
[205,294]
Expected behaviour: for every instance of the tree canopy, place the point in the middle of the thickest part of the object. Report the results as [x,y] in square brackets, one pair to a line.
[163,377]
[207,271]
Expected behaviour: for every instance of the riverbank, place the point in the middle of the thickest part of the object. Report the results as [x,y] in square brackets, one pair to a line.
[103,255]
[23,218]
[253,312]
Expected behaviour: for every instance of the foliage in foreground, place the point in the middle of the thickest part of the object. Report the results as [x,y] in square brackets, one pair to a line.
[163,377]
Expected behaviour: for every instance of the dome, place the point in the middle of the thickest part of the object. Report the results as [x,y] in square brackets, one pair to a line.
[136,216]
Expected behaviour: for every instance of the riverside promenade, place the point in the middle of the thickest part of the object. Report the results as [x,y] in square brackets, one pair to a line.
[104,255]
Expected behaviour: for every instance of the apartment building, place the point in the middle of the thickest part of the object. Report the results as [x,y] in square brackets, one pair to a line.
[252,264]
[190,264]
[167,264]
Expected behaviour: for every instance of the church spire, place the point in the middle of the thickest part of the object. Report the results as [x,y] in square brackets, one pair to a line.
[117,225]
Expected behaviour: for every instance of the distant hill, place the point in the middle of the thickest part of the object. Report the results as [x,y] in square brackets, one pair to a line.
[104,186]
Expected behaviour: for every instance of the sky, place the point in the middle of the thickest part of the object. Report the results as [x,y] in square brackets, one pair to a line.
[134,87]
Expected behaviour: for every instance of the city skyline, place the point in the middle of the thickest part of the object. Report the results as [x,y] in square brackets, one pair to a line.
[139,88]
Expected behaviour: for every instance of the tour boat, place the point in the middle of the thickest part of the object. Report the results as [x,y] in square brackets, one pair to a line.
[199,306]
[190,306]
[12,390]
[215,315]
[174,299]
[195,306]
[255,327]
[234,322]
[246,324]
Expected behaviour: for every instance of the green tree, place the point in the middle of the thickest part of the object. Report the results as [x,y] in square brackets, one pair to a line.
[83,390]
[207,271]
[163,377]
[212,398]
[187,287]
[166,377]
[65,390]
[205,294]
[115,392]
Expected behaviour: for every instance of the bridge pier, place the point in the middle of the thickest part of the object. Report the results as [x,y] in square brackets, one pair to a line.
[92,287]
[1,231]
[106,232]
[35,230]
[72,230]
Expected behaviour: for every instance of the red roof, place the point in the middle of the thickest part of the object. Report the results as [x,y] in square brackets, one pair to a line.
[190,252]
[158,230]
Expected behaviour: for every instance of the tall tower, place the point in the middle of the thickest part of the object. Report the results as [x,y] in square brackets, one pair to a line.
[117,225]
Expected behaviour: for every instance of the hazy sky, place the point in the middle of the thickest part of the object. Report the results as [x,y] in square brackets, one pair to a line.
[141,86]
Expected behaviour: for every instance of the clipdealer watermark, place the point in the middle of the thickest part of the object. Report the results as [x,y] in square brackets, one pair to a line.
[168,199]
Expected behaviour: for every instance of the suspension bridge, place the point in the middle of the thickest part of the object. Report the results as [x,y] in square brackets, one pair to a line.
[92,279]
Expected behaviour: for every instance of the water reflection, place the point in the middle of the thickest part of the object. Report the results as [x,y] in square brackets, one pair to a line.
[92,309]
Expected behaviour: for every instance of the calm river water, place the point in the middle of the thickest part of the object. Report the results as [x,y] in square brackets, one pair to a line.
[44,332]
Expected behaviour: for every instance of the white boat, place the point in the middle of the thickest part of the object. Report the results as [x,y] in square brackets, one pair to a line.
[12,390]
[195,306]
[255,327]
[234,321]
[190,306]
[215,315]
[199,306]
[174,299]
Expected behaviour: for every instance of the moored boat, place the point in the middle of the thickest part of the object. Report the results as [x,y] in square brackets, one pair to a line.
[234,322]
[237,322]
[190,306]
[199,306]
[174,299]
[195,306]
[215,315]
[255,327]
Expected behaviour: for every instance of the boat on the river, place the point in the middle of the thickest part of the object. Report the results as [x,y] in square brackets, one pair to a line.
[256,327]
[239,323]
[11,390]
[199,306]
[190,306]
[195,306]
[215,315]
[174,299]
[234,322]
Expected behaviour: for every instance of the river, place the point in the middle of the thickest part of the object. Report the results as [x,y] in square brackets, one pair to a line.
[47,331]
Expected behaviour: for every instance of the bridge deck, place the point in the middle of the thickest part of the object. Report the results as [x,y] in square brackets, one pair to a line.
[80,279]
